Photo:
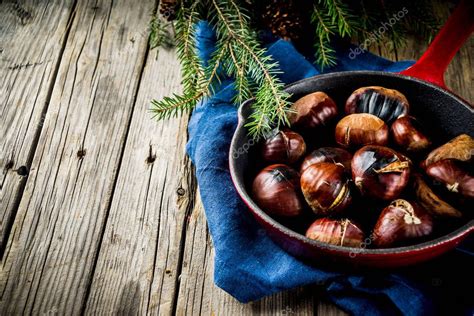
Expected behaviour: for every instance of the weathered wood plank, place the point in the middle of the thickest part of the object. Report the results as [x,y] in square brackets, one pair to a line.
[460,75]
[139,261]
[49,258]
[32,36]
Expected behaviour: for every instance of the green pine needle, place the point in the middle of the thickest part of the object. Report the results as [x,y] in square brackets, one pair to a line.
[239,55]
[160,34]
[325,55]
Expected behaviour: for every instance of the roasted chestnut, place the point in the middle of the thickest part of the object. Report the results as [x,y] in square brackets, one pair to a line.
[407,133]
[387,104]
[313,110]
[459,148]
[336,232]
[357,130]
[326,188]
[276,189]
[327,154]
[401,222]
[380,172]
[285,146]
[430,201]
[453,175]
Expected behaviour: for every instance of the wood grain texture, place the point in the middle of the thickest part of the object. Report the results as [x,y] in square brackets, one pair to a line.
[54,241]
[460,75]
[140,255]
[32,36]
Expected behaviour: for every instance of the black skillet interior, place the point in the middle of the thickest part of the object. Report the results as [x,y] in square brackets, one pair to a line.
[443,114]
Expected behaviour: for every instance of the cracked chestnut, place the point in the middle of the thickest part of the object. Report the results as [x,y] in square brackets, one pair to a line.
[285,146]
[387,104]
[326,188]
[401,222]
[453,175]
[356,130]
[430,201]
[336,232]
[276,189]
[459,148]
[407,134]
[327,154]
[380,172]
[312,111]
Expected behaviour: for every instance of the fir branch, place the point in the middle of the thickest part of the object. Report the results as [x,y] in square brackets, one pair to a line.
[172,106]
[239,55]
[159,33]
[271,104]
[240,15]
[192,71]
[325,55]
[211,71]
[242,84]
[340,16]
[191,68]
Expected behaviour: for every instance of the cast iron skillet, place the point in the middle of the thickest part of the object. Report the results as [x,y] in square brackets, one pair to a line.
[446,114]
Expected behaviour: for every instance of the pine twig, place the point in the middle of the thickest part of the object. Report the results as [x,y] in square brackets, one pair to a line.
[325,55]
[270,106]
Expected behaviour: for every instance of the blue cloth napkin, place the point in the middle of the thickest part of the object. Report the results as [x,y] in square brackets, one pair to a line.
[248,265]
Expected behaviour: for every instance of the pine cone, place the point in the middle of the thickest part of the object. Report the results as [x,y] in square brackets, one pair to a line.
[168,9]
[286,19]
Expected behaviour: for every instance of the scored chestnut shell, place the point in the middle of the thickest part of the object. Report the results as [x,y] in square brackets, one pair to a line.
[326,188]
[285,146]
[401,222]
[407,134]
[357,130]
[453,175]
[430,201]
[327,154]
[459,148]
[387,104]
[336,232]
[276,189]
[380,172]
[313,110]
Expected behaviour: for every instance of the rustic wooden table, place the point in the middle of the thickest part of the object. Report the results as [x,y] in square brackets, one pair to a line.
[100,210]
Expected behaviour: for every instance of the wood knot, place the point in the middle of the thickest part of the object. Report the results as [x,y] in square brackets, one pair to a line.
[22,171]
[181,191]
[9,165]
[150,159]
[21,13]
[151,156]
[81,153]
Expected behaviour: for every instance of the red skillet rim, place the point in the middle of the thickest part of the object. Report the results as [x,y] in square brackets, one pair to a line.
[463,230]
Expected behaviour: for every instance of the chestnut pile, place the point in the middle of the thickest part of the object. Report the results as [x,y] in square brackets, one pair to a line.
[377,176]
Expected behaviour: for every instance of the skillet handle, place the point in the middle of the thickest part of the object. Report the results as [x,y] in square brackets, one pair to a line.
[434,62]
